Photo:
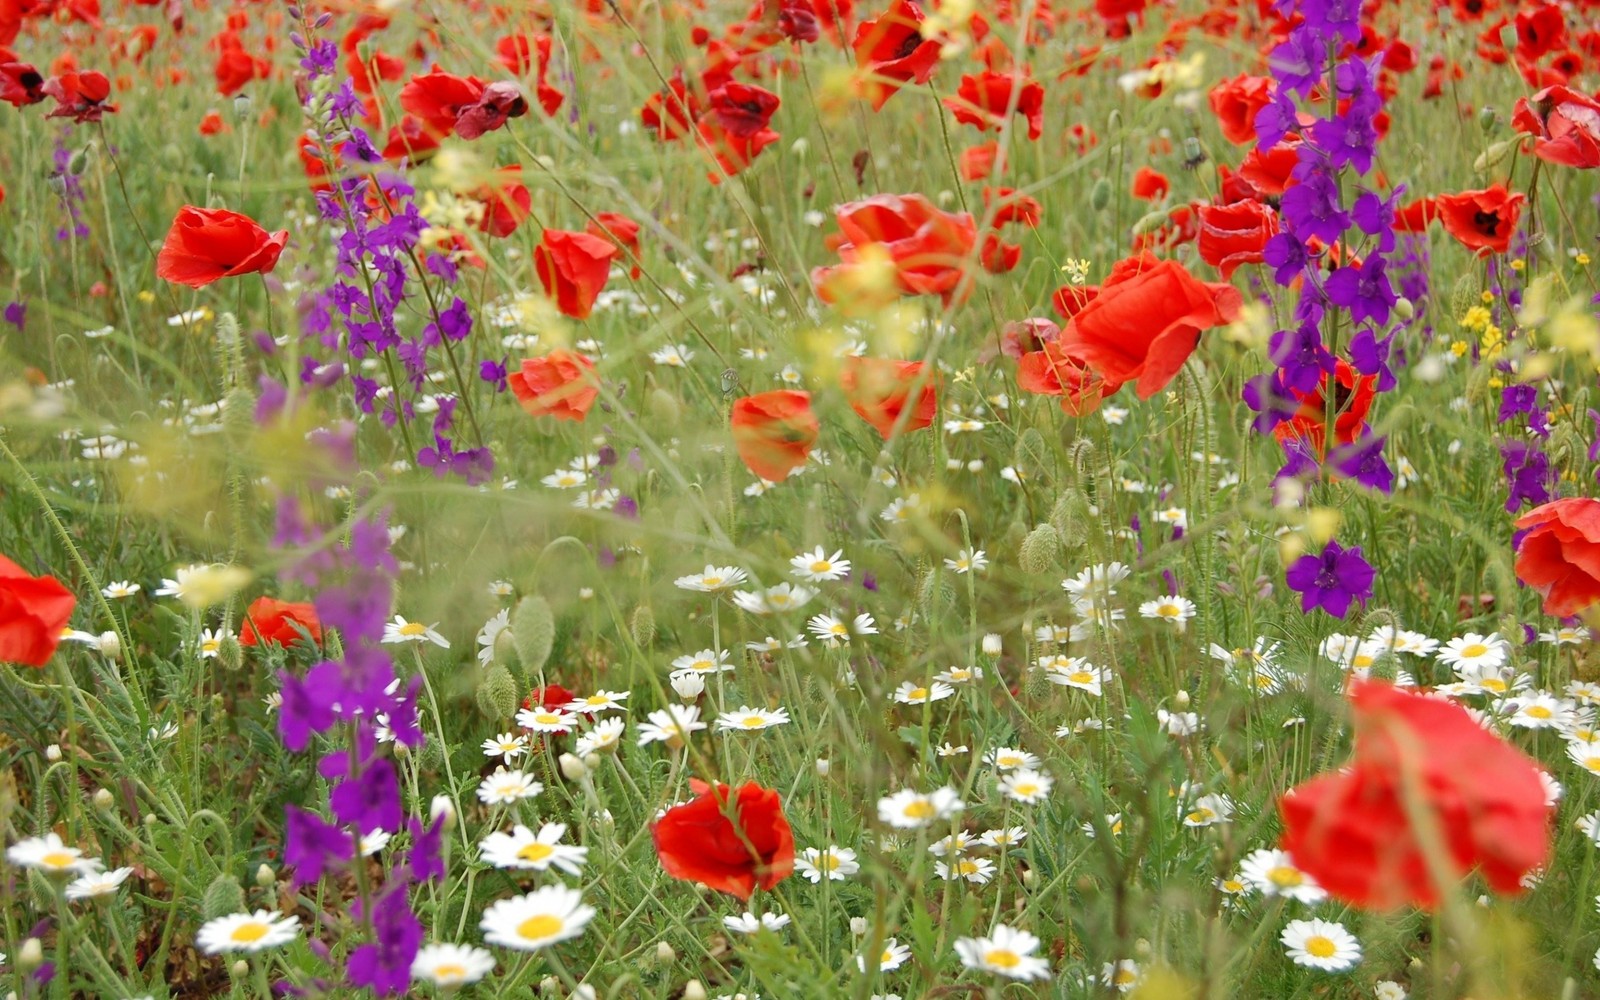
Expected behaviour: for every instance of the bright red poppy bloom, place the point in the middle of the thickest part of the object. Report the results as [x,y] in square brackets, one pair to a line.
[268,621]
[1482,221]
[773,432]
[983,99]
[671,111]
[465,106]
[1150,185]
[977,162]
[621,231]
[33,615]
[743,109]
[1560,554]
[1269,171]
[728,840]
[79,96]
[879,390]
[1236,102]
[1541,30]
[506,202]
[891,51]
[518,54]
[1053,371]
[927,245]
[20,84]
[1231,235]
[573,267]
[1142,326]
[1428,797]
[561,384]
[1352,401]
[1565,125]
[732,153]
[205,244]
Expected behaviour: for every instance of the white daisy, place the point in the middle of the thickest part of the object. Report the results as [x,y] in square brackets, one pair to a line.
[1006,951]
[1026,786]
[834,863]
[1271,872]
[751,719]
[505,787]
[537,920]
[540,719]
[671,725]
[912,693]
[893,956]
[605,737]
[749,923]
[1320,944]
[908,809]
[783,597]
[97,884]
[509,746]
[119,590]
[247,932]
[51,856]
[816,567]
[524,849]
[968,561]
[712,579]
[450,965]
[401,630]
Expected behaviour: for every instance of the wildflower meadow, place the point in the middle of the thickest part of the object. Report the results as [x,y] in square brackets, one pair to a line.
[800,499]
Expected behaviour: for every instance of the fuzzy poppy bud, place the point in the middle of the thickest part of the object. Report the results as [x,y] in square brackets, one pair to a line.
[534,626]
[229,653]
[642,626]
[223,896]
[1100,194]
[497,694]
[1038,552]
[1487,118]
[52,753]
[1404,310]
[239,969]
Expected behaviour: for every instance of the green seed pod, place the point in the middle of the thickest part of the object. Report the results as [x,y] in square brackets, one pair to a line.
[1031,456]
[1543,247]
[1071,518]
[497,694]
[1487,118]
[1038,552]
[1463,296]
[230,655]
[1114,121]
[80,159]
[1404,309]
[1100,194]
[223,896]
[935,596]
[534,626]
[238,416]
[642,626]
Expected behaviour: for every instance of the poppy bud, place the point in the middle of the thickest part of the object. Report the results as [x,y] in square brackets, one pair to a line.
[1487,117]
[1031,455]
[550,986]
[823,767]
[1114,120]
[78,162]
[229,653]
[1071,517]
[241,106]
[1100,194]
[935,596]
[1508,36]
[497,695]
[110,645]
[642,626]
[1404,309]
[534,626]
[1038,552]
[442,809]
[266,878]
[858,926]
[223,896]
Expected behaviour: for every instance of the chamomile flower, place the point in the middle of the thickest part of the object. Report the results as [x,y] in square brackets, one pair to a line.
[600,701]
[1026,786]
[816,567]
[605,737]
[1586,756]
[51,856]
[1005,836]
[1123,976]
[1177,517]
[1208,810]
[211,642]
[749,923]
[1096,584]
[831,628]
[901,509]
[712,579]
[912,693]
[541,719]
[496,588]
[1174,610]
[544,917]
[1270,871]
[956,842]
[893,956]
[979,871]
[748,719]
[705,661]
[909,809]
[96,885]
[1320,944]
[968,561]
[672,356]
[672,725]
[1077,673]
[525,850]
[400,630]
[1006,952]
[507,787]
[508,746]
[1473,650]
[490,634]
[1566,635]
[1009,759]
[948,750]
[373,842]
[774,600]
[450,965]
[119,590]
[1540,711]
[247,932]
[832,862]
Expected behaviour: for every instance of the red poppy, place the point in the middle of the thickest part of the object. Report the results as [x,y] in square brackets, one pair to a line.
[466,106]
[1565,125]
[1235,103]
[1429,796]
[79,96]
[1540,31]
[518,54]
[561,384]
[1483,221]
[1270,171]
[410,140]
[621,231]
[1235,234]
[774,431]
[1352,401]
[743,109]
[1053,371]
[879,390]
[268,621]
[33,615]
[671,112]
[236,67]
[573,267]
[20,84]
[926,245]
[212,123]
[1013,206]
[891,51]
[205,244]
[1150,185]
[1143,326]
[731,152]
[506,202]
[977,162]
[984,99]
[727,840]
[1560,554]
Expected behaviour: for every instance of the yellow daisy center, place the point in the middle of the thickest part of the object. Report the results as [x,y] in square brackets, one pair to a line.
[1025,789]
[1537,712]
[248,933]
[546,718]
[1492,684]
[821,566]
[1003,958]
[58,859]
[449,972]
[537,928]
[754,721]
[535,852]
[923,809]
[1318,946]
[1081,677]
[711,581]
[413,628]
[1201,815]
[917,693]
[1361,661]
[1475,650]
[829,862]
[1285,877]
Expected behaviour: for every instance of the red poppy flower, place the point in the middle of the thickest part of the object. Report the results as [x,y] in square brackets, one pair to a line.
[879,390]
[20,84]
[621,231]
[561,384]
[890,49]
[205,244]
[1143,326]
[983,100]
[926,245]
[573,268]
[732,153]
[1560,554]
[743,109]
[236,67]
[268,621]
[1014,206]
[33,614]
[518,54]
[1150,185]
[466,106]
[79,96]
[1231,235]
[1483,221]
[212,123]
[774,431]
[506,202]
[1565,124]
[1235,103]
[727,840]
[1352,401]
[1053,371]
[977,162]
[1540,31]
[410,140]
[671,112]
[1269,171]
[1429,796]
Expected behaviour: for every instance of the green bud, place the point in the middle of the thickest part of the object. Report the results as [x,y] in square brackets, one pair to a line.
[642,626]
[1404,309]
[935,596]
[230,655]
[1100,194]
[80,159]
[497,694]
[533,627]
[1071,517]
[1487,117]
[1114,121]
[1038,552]
[664,407]
[223,896]
[1031,456]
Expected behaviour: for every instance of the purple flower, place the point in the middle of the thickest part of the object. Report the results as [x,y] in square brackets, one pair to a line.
[306,709]
[1363,461]
[1528,474]
[370,800]
[1332,580]
[1288,257]
[426,858]
[1370,356]
[311,846]
[1301,359]
[1364,290]
[16,313]
[386,964]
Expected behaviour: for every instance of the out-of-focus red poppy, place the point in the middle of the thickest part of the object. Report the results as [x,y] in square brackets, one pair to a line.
[33,615]
[671,111]
[1352,401]
[1013,206]
[1565,125]
[1560,554]
[1054,371]
[561,384]
[1150,185]
[269,621]
[410,140]
[743,109]
[879,390]
[1428,797]
[1235,102]
[891,51]
[235,67]
[1143,326]
[205,244]
[983,100]
[506,202]
[519,53]
[727,840]
[465,106]
[1269,171]
[774,431]
[20,84]
[573,268]
[977,162]
[79,96]
[212,123]
[1541,29]
[1483,221]
[1231,235]
[732,153]
[926,245]
[621,231]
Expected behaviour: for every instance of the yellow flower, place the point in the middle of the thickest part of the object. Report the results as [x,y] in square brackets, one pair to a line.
[1458,348]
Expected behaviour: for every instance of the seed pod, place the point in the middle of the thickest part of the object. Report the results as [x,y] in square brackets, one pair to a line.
[534,626]
[1071,518]
[230,655]
[223,896]
[1038,552]
[497,693]
[1487,117]
[663,407]
[642,626]
[1100,194]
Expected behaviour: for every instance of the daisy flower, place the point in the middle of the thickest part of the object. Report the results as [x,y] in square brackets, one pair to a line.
[490,634]
[540,719]
[1174,610]
[671,725]
[712,579]
[706,661]
[97,884]
[507,745]
[1006,836]
[119,590]
[600,701]
[834,629]
[605,737]
[1271,872]
[401,630]
[672,356]
[1097,583]
[505,787]
[1026,786]
[1208,810]
[978,871]
[1473,649]
[1541,711]
[1123,976]
[783,597]
[1006,952]
[968,561]
[752,719]
[901,509]
[749,923]
[954,843]
[51,856]
[1007,759]
[959,675]
[449,965]
[834,863]
[247,932]
[1567,635]
[815,567]
[912,693]
[526,850]
[1078,673]
[893,956]
[211,642]
[1320,944]
[908,809]
[537,920]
